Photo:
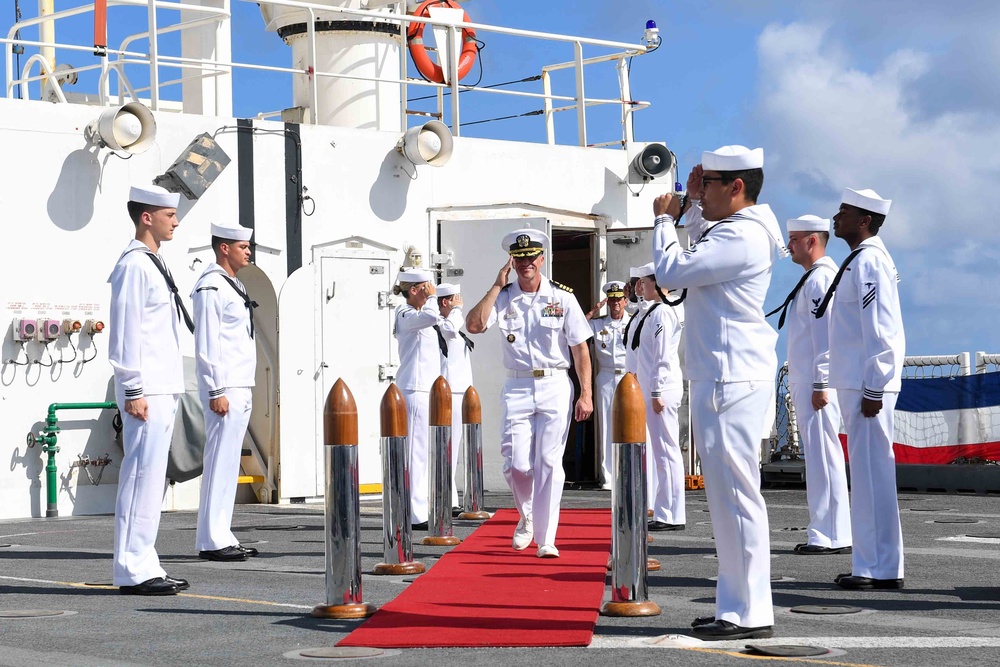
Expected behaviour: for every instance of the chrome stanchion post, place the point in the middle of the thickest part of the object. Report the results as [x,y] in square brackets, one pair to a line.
[343,509]
[439,531]
[472,423]
[397,537]
[629,586]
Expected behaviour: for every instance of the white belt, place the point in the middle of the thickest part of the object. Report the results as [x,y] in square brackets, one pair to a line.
[536,373]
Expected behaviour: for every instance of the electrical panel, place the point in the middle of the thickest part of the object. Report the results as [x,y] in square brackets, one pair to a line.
[25,330]
[49,330]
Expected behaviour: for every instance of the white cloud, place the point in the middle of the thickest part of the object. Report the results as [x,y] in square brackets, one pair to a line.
[828,123]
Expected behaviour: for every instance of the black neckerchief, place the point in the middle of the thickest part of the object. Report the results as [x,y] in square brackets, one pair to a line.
[246,300]
[638,329]
[442,343]
[788,300]
[172,286]
[836,281]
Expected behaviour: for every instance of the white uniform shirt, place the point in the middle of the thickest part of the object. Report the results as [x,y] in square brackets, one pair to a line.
[659,365]
[632,356]
[726,273]
[609,348]
[457,366]
[419,352]
[225,355]
[808,338]
[539,328]
[144,330]
[867,343]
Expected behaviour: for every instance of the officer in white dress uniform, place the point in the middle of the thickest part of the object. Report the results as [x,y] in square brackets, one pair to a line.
[225,360]
[816,408]
[731,363]
[867,348]
[609,353]
[144,351]
[456,367]
[419,367]
[543,326]
[656,338]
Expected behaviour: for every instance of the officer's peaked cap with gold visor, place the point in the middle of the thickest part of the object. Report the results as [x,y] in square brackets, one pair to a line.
[525,243]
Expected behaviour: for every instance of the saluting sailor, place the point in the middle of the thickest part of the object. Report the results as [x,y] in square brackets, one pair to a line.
[456,367]
[867,348]
[419,367]
[226,361]
[545,329]
[609,353]
[656,338]
[816,408]
[144,351]
[632,365]
[731,363]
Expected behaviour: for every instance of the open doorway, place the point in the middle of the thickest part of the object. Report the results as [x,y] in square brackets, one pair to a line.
[573,253]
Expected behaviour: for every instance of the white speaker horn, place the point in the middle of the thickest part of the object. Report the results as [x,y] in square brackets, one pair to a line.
[653,161]
[127,130]
[431,143]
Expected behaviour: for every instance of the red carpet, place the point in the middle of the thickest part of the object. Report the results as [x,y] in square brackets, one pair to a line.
[483,593]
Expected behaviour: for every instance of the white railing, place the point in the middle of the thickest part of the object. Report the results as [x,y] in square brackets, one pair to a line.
[155,60]
[985,360]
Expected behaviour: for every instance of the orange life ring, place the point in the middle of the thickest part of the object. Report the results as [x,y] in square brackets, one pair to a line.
[415,41]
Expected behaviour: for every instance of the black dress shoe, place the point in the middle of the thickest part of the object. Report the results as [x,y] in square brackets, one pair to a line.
[702,620]
[224,555]
[867,583]
[663,525]
[726,630]
[181,584]
[249,551]
[840,576]
[419,526]
[157,586]
[455,511]
[817,550]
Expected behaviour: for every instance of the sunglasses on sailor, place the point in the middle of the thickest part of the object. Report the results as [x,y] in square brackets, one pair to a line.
[705,180]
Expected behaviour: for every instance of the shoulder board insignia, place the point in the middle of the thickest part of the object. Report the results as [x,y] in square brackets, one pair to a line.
[202,289]
[561,286]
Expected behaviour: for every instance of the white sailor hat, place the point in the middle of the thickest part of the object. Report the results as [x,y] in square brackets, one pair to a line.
[867,200]
[231,232]
[642,271]
[615,289]
[525,243]
[414,276]
[154,195]
[448,289]
[809,223]
[732,158]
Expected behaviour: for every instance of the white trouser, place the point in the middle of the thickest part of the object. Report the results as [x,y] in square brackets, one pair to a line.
[826,469]
[223,451]
[667,468]
[457,434]
[727,419]
[878,537]
[142,482]
[418,410]
[607,382]
[533,429]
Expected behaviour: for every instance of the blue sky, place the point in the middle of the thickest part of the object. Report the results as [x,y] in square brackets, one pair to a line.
[899,96]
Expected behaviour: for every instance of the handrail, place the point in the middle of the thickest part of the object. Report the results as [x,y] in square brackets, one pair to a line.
[203,68]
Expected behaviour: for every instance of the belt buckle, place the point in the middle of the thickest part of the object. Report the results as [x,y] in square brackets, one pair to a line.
[538,373]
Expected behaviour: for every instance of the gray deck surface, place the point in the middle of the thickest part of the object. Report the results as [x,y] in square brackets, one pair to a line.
[256,613]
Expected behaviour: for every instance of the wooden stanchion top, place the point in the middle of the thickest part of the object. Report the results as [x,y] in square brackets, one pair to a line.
[392,413]
[628,412]
[440,403]
[340,416]
[472,407]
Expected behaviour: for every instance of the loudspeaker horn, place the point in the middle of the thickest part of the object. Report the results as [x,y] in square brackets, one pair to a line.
[652,162]
[127,130]
[431,143]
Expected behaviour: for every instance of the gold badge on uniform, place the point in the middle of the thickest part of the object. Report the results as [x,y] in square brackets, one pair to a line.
[510,338]
[604,346]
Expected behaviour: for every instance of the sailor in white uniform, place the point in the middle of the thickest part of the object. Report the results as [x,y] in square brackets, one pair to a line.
[731,363]
[656,338]
[225,361]
[456,367]
[867,348]
[144,351]
[609,353]
[419,367]
[544,329]
[632,366]
[816,410]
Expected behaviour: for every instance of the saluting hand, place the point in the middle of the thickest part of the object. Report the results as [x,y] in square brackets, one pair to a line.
[429,289]
[596,309]
[501,280]
[456,301]
[694,187]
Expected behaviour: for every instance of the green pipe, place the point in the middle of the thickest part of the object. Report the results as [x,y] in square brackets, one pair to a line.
[48,439]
